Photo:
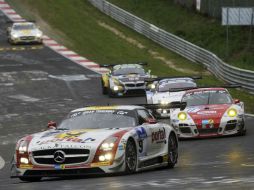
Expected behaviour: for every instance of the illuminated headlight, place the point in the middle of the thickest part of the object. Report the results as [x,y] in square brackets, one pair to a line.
[115,88]
[182,116]
[106,157]
[164,102]
[108,144]
[232,112]
[13,35]
[39,35]
[152,86]
[164,111]
[23,147]
[24,160]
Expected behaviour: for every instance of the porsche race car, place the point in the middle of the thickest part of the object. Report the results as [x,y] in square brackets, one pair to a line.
[125,79]
[209,112]
[165,90]
[24,32]
[97,140]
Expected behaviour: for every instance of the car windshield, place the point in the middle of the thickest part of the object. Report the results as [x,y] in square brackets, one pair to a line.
[127,71]
[207,98]
[169,86]
[24,27]
[94,119]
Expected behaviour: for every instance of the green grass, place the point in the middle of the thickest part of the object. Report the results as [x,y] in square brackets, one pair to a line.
[75,23]
[196,28]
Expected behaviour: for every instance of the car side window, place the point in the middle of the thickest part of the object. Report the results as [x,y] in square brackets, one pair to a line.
[143,116]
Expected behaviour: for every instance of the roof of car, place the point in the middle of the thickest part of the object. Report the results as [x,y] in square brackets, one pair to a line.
[122,66]
[22,23]
[205,89]
[120,107]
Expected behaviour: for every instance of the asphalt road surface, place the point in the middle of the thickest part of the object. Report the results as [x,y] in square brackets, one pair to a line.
[38,85]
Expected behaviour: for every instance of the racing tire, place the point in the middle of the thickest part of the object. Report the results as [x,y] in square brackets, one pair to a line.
[130,157]
[110,93]
[172,151]
[242,131]
[30,179]
[103,88]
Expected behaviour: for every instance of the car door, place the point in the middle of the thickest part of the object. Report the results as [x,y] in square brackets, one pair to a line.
[155,134]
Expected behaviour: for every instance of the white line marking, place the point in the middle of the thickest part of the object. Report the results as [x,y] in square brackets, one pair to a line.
[250,115]
[2,163]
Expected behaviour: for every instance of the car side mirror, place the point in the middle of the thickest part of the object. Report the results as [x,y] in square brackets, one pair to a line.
[151,121]
[236,101]
[52,125]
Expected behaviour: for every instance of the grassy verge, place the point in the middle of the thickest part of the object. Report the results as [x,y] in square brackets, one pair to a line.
[85,30]
[198,29]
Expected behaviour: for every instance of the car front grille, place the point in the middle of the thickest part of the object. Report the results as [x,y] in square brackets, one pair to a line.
[71,156]
[27,37]
[135,84]
[185,129]
[208,131]
[231,125]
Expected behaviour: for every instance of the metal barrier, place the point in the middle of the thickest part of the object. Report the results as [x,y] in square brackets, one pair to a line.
[214,64]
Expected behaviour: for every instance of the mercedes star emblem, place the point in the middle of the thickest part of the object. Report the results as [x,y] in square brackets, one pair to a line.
[59,156]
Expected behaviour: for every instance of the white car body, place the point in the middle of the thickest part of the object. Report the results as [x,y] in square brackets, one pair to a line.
[24,32]
[151,142]
[166,97]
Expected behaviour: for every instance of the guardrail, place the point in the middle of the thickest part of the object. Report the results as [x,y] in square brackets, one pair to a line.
[214,64]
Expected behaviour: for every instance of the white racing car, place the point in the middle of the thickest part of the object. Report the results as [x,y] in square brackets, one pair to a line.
[24,32]
[97,140]
[165,90]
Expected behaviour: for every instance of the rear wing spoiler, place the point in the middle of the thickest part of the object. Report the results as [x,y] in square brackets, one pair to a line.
[112,65]
[172,105]
[172,77]
[200,87]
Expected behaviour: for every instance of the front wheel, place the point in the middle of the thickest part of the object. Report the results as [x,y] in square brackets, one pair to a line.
[104,89]
[30,179]
[172,151]
[130,157]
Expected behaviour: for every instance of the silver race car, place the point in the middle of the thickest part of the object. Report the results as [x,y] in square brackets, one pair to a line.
[165,90]
[97,140]
[24,32]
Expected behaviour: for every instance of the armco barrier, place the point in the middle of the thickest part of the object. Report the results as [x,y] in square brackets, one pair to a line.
[214,64]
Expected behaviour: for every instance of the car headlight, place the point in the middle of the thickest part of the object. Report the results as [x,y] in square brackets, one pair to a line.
[115,88]
[14,35]
[182,116]
[164,102]
[108,144]
[23,147]
[39,35]
[152,86]
[232,112]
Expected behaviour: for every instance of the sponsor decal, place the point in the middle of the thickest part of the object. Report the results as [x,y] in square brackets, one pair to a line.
[141,132]
[26,166]
[71,134]
[192,110]
[207,124]
[165,158]
[159,136]
[97,164]
[59,167]
[207,112]
[67,139]
[121,147]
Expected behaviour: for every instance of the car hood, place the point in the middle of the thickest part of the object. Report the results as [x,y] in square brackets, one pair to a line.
[27,32]
[131,78]
[167,96]
[89,138]
[209,113]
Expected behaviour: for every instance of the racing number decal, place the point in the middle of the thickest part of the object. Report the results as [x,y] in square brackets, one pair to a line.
[141,132]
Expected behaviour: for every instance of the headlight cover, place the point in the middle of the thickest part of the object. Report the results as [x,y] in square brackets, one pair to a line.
[182,116]
[232,112]
[14,35]
[164,102]
[23,147]
[108,144]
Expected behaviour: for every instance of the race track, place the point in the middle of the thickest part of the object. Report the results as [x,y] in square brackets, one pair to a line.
[38,85]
